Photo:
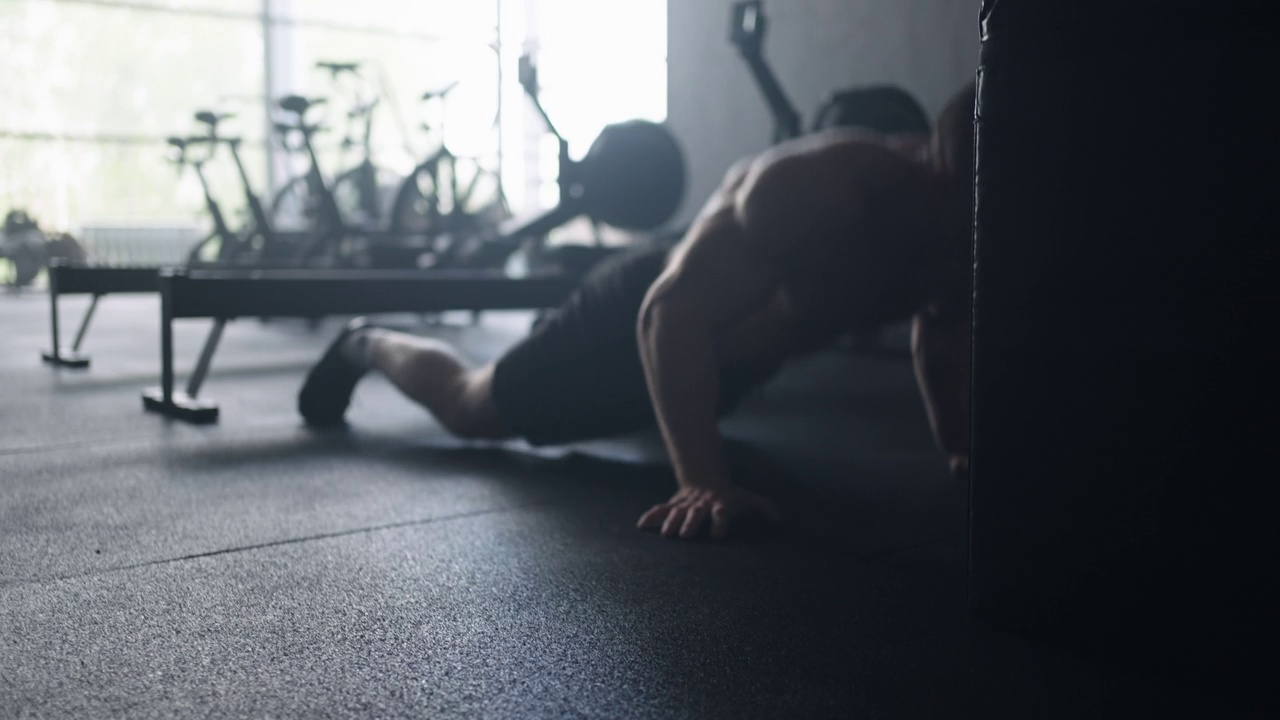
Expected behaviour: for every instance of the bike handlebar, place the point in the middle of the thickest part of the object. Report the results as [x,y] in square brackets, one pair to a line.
[183,144]
[210,118]
[337,68]
[286,128]
[441,93]
[363,108]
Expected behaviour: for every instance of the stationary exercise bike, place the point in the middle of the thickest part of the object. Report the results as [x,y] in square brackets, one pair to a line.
[362,190]
[328,239]
[258,244]
[222,243]
[445,197]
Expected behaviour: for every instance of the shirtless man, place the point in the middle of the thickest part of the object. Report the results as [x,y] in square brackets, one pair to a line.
[830,233]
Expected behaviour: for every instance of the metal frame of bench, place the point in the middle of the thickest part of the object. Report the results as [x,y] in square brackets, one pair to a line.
[96,281]
[225,295]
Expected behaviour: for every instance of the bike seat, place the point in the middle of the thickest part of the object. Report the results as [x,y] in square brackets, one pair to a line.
[299,105]
[211,118]
[180,143]
[433,94]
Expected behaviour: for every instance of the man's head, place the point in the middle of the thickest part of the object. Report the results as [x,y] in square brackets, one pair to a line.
[953,138]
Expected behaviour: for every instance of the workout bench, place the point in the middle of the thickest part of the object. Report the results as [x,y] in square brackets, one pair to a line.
[225,295]
[96,281]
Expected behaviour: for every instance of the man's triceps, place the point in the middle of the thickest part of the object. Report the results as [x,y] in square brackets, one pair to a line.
[710,284]
[715,275]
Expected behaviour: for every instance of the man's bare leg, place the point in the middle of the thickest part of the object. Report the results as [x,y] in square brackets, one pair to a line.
[433,374]
[428,371]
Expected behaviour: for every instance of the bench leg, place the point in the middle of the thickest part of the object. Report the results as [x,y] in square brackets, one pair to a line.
[55,356]
[164,400]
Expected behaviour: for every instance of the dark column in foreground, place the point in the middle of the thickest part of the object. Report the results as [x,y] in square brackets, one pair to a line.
[1125,444]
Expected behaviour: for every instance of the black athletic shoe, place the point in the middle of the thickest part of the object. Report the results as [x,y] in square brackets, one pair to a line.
[325,394]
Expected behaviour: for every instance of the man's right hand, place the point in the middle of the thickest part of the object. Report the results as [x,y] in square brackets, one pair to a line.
[693,512]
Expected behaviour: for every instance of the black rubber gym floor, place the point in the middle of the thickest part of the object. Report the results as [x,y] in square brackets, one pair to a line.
[255,569]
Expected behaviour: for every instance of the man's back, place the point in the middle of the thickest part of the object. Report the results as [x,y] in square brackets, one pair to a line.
[847,224]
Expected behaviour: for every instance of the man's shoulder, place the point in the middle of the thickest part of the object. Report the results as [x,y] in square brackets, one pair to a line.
[849,141]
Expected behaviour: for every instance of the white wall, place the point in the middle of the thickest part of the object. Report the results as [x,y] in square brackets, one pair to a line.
[929,47]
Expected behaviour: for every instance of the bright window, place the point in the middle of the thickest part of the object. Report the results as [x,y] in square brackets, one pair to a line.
[94,88]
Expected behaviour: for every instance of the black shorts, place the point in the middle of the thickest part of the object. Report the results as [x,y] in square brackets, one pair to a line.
[578,375]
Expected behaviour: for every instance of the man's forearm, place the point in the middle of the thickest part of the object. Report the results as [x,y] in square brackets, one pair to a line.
[941,354]
[683,378]
[951,411]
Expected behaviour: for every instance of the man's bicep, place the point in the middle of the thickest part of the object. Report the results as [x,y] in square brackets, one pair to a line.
[941,347]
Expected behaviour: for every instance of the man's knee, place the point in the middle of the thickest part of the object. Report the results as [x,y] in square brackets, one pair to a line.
[466,422]
[472,414]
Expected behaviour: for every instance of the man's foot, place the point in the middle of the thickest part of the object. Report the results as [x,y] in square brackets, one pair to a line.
[325,394]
